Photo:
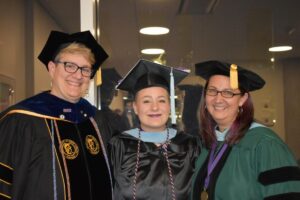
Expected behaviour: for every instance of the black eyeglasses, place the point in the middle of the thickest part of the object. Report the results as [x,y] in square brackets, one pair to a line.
[224,93]
[72,68]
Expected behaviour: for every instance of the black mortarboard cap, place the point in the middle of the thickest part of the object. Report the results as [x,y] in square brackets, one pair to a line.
[146,74]
[247,80]
[56,39]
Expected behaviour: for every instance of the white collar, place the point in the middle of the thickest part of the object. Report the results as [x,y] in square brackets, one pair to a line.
[221,135]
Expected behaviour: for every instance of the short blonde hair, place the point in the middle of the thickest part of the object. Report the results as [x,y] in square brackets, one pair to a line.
[74,48]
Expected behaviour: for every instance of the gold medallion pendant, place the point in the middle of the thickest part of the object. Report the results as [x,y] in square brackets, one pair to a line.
[204,195]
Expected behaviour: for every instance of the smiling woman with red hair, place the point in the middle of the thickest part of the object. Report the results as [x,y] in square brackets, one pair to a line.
[241,158]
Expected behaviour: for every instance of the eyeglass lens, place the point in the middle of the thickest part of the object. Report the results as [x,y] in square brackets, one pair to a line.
[72,68]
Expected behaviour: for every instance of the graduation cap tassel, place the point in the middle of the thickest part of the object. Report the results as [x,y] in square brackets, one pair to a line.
[99,77]
[172,97]
[234,77]
[98,84]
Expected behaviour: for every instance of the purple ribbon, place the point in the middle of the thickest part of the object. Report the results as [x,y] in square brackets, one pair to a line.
[213,161]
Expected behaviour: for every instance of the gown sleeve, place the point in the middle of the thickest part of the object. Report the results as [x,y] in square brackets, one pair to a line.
[278,172]
[15,150]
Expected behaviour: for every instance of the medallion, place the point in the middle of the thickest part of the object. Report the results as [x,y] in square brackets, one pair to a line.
[212,163]
[92,144]
[69,148]
[204,195]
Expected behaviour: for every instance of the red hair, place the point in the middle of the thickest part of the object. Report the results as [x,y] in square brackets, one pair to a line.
[238,128]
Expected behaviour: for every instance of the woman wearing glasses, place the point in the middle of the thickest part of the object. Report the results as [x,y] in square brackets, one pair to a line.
[52,145]
[241,159]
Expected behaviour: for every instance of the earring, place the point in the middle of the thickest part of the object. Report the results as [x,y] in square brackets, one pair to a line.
[240,110]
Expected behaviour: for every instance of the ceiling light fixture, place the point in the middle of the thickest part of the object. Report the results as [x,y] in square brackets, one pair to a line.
[153,51]
[280,48]
[281,39]
[154,30]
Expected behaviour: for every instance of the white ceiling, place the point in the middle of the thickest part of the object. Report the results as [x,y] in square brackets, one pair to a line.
[231,30]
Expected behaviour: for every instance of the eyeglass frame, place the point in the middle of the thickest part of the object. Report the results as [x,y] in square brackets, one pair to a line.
[78,67]
[222,92]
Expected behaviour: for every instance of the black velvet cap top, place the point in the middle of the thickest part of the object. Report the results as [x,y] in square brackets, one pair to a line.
[56,39]
[247,80]
[148,74]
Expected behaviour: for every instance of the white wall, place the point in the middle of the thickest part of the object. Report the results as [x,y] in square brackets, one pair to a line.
[18,30]
[42,25]
[12,44]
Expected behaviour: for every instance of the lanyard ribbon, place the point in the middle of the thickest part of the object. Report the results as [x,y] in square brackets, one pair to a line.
[213,161]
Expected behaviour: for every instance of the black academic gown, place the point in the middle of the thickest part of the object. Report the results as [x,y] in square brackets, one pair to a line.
[73,166]
[153,181]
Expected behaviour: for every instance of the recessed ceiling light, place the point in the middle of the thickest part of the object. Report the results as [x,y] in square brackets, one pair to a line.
[154,30]
[153,51]
[280,48]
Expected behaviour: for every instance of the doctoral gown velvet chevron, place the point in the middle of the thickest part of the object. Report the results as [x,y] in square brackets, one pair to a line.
[74,166]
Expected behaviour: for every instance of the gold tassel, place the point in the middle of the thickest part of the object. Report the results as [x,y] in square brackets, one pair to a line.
[99,77]
[234,82]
